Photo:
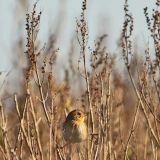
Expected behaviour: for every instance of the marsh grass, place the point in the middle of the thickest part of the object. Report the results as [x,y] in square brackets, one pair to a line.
[123,115]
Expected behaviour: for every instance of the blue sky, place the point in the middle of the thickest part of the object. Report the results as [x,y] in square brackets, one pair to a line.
[103,16]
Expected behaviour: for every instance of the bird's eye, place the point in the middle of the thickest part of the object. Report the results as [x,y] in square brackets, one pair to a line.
[79,114]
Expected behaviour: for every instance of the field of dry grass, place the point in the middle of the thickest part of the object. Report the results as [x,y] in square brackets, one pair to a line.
[121,99]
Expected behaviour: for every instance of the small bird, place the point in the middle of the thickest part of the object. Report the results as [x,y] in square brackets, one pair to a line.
[74,127]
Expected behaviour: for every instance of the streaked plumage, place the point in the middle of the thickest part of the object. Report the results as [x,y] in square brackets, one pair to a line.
[74,127]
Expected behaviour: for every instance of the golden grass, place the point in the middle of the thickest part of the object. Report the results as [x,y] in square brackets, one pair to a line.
[122,108]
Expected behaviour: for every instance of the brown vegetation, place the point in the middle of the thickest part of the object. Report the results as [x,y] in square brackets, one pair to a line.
[122,107]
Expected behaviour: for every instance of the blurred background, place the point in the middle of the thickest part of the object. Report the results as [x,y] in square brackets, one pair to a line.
[59,17]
